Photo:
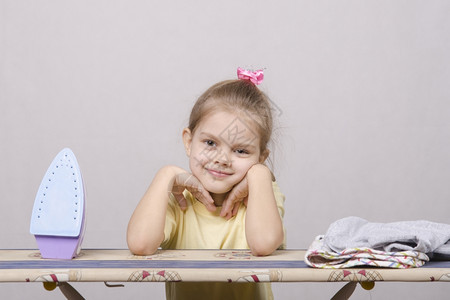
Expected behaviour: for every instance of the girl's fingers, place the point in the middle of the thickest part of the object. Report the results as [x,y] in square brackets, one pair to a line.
[227,207]
[236,208]
[206,200]
[204,194]
[192,184]
[231,206]
[237,195]
[233,210]
[181,201]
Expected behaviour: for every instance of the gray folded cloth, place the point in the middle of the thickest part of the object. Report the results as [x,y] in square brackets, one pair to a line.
[422,236]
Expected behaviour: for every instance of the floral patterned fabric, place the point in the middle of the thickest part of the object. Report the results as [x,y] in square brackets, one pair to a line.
[321,256]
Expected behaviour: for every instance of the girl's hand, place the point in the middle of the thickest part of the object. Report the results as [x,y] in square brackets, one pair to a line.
[189,182]
[238,194]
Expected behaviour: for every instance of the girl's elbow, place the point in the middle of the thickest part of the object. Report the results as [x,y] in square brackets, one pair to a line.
[266,246]
[140,247]
[260,251]
[141,250]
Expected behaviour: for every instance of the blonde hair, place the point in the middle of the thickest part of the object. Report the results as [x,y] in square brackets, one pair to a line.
[239,96]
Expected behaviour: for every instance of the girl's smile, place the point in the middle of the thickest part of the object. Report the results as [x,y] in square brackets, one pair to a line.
[217,173]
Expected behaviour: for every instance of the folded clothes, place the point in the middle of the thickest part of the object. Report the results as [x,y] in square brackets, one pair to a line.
[421,236]
[321,256]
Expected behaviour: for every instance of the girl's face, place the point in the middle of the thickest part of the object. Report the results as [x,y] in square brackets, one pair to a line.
[222,149]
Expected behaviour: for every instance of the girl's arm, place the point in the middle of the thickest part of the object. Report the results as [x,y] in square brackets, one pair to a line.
[263,224]
[146,227]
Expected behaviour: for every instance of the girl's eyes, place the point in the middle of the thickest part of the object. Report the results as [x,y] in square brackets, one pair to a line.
[241,151]
[210,143]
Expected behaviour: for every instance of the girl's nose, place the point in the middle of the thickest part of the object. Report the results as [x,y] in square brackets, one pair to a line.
[222,159]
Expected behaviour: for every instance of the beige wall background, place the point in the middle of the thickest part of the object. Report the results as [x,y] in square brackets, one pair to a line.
[362,95]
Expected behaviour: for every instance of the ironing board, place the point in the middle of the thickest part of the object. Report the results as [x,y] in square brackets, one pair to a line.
[101,265]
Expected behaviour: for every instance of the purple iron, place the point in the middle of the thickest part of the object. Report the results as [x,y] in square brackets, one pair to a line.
[58,216]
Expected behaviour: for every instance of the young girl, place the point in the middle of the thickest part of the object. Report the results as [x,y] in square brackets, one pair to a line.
[227,200]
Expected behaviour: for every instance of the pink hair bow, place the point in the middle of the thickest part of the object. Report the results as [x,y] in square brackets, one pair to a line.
[256,77]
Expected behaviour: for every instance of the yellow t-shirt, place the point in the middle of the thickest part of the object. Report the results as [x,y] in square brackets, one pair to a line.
[198,228]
